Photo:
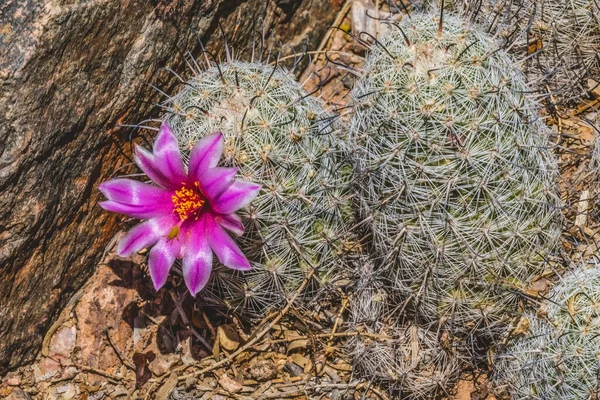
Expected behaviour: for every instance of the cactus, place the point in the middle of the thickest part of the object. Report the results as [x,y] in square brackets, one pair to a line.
[280,136]
[558,41]
[407,359]
[559,356]
[456,180]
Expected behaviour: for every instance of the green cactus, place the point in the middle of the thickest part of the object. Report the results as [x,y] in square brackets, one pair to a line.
[281,137]
[456,180]
[559,356]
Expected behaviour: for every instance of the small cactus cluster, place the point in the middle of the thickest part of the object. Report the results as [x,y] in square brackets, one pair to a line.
[456,178]
[407,358]
[559,355]
[280,137]
[557,42]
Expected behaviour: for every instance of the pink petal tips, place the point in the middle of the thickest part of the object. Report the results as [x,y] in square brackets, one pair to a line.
[187,214]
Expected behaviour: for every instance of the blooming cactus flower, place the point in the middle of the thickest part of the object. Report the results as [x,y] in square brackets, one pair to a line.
[187,213]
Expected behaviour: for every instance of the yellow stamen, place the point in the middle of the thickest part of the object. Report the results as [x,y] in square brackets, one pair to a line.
[187,201]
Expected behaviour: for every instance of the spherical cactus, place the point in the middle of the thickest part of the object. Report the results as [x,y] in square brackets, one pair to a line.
[457,182]
[559,356]
[557,42]
[281,137]
[408,360]
[562,47]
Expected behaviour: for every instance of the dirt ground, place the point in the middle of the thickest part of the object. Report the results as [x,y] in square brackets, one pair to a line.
[118,338]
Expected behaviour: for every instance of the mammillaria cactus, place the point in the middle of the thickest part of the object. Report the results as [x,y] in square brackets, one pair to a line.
[457,182]
[559,355]
[281,137]
[556,42]
[186,213]
[408,360]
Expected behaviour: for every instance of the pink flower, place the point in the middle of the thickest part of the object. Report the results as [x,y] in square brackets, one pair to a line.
[186,213]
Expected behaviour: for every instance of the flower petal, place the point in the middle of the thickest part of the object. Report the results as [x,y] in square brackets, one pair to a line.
[206,154]
[228,253]
[231,222]
[161,258]
[197,257]
[132,192]
[146,234]
[238,195]
[143,211]
[145,160]
[168,156]
[214,181]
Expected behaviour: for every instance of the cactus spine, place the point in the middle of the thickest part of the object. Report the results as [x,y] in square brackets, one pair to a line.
[557,42]
[559,356]
[279,136]
[406,358]
[456,179]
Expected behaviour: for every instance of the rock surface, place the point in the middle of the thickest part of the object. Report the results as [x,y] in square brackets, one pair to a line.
[69,72]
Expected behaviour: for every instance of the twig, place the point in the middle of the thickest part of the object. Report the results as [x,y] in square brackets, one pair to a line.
[584,107]
[339,316]
[207,321]
[102,373]
[382,396]
[376,19]
[343,53]
[332,335]
[338,20]
[188,324]
[286,382]
[118,352]
[325,41]
[250,343]
[255,338]
[311,388]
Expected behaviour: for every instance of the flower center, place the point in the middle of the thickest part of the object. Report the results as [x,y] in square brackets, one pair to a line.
[187,201]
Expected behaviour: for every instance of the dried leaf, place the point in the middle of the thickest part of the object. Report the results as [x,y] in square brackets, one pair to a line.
[165,391]
[142,372]
[228,337]
[538,286]
[342,365]
[229,384]
[299,359]
[293,369]
[594,87]
[582,209]
[571,306]
[297,344]
[414,340]
[522,327]
[294,343]
[198,320]
[217,348]
[534,45]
